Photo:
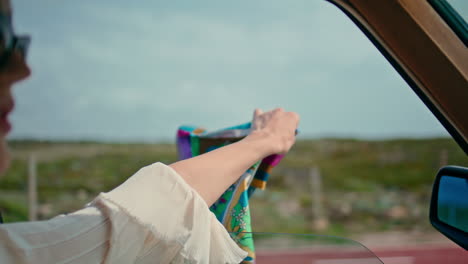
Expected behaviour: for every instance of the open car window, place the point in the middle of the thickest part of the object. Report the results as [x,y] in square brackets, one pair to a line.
[131,73]
[412,35]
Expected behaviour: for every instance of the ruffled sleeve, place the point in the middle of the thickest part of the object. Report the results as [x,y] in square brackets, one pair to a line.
[172,221]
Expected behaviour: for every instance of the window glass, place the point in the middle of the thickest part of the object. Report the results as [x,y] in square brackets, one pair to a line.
[461,6]
[450,208]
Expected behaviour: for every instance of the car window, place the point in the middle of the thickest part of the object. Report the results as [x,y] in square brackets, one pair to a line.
[112,82]
[461,7]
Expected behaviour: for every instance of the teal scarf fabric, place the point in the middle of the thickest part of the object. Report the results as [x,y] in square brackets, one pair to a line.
[232,208]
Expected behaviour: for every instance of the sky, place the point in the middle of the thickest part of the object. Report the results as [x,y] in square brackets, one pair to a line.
[136,70]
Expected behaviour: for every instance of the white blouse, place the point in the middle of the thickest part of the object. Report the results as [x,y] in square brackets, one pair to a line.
[154,217]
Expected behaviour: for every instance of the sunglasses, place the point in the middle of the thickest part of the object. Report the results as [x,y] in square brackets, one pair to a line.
[10,42]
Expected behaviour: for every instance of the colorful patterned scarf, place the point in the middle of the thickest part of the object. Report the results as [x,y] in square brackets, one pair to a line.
[232,208]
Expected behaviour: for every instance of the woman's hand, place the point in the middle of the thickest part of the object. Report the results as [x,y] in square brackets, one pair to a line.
[272,132]
[276,128]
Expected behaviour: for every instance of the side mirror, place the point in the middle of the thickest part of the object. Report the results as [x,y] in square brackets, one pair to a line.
[449,204]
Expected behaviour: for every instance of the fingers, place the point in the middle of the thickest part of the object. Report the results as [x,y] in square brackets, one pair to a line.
[278,110]
[258,112]
[295,116]
[279,113]
[278,126]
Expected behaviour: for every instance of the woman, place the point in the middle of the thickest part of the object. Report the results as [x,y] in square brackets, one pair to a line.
[159,215]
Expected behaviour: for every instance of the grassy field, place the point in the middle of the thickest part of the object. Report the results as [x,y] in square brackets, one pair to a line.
[367,186]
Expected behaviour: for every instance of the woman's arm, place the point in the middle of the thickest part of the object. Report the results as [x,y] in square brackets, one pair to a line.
[212,173]
[131,224]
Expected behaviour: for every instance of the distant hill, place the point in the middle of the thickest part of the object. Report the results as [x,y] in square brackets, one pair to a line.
[366,185]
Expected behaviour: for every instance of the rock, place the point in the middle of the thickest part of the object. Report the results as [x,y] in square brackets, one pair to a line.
[398,212]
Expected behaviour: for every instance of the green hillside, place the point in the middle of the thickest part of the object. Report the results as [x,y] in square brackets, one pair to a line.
[367,186]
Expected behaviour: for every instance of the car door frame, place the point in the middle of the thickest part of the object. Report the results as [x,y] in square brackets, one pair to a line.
[424,50]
